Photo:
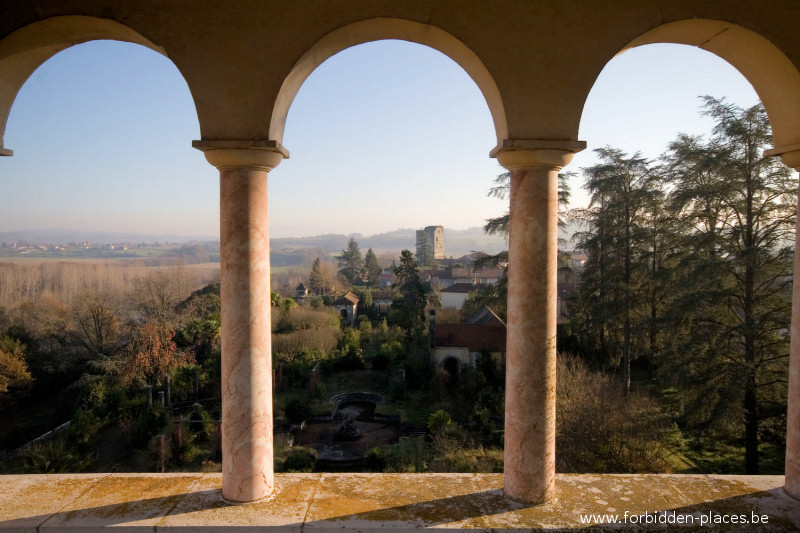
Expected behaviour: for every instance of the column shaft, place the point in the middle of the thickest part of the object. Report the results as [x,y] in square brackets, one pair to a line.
[792,481]
[247,469]
[529,455]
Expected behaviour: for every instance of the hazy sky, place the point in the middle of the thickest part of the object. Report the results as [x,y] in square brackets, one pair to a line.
[382,136]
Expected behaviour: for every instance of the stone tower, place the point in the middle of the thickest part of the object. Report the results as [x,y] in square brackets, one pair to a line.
[434,235]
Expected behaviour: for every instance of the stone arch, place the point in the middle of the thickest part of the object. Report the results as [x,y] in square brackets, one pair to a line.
[772,74]
[381,29]
[451,365]
[27,48]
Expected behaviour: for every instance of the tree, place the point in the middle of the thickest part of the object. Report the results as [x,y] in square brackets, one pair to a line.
[157,295]
[692,265]
[491,295]
[15,379]
[321,278]
[620,187]
[372,270]
[408,309]
[739,207]
[424,256]
[351,263]
[152,354]
[97,322]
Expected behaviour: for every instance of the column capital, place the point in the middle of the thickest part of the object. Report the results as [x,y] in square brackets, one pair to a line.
[790,155]
[242,153]
[516,154]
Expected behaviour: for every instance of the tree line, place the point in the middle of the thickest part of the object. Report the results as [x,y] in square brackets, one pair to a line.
[689,272]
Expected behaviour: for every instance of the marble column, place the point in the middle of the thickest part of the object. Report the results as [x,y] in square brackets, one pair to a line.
[247,447]
[530,411]
[792,479]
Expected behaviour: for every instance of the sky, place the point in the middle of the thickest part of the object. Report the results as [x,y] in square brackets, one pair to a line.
[382,136]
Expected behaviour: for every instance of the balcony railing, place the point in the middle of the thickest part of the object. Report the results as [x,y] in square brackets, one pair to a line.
[396,502]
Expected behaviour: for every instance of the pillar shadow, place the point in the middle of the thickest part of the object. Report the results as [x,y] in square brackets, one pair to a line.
[419,514]
[764,511]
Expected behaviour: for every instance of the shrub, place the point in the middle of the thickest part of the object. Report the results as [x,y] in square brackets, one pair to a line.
[297,410]
[468,460]
[50,458]
[599,429]
[300,460]
[150,423]
[440,422]
[201,423]
[319,341]
[83,428]
[350,361]
[375,460]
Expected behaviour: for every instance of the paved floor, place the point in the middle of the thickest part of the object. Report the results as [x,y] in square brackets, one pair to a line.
[396,502]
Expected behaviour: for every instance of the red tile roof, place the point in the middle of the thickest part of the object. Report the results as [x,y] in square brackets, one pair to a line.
[476,337]
[347,299]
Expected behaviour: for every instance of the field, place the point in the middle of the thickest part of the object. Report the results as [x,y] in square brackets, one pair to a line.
[32,279]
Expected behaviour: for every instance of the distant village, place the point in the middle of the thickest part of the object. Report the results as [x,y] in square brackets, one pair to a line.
[192,252]
[23,248]
[448,283]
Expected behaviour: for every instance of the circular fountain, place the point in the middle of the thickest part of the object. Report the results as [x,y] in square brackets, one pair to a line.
[343,437]
[348,431]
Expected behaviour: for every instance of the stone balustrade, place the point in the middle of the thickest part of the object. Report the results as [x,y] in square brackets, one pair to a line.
[397,502]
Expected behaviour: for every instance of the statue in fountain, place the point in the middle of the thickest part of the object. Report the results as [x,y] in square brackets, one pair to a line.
[348,430]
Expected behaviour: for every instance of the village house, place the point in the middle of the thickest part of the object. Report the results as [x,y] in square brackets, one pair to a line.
[346,305]
[477,277]
[454,296]
[301,292]
[482,333]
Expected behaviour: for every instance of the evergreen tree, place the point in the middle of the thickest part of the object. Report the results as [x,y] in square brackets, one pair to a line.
[408,308]
[620,187]
[424,256]
[692,265]
[351,264]
[740,210]
[321,277]
[372,270]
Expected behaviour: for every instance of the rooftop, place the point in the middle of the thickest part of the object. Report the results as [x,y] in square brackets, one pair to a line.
[347,299]
[396,502]
[484,315]
[476,337]
[461,287]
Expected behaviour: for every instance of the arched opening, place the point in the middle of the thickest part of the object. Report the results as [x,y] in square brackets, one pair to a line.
[775,81]
[773,76]
[410,105]
[101,122]
[381,29]
[74,147]
[22,52]
[412,154]
[451,367]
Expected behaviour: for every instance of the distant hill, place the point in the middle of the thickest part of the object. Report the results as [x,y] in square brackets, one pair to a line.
[62,236]
[456,242]
[286,250]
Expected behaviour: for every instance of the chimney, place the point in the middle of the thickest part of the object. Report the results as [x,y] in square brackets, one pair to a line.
[432,327]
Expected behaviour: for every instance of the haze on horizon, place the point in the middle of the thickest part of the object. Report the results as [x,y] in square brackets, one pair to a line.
[382,136]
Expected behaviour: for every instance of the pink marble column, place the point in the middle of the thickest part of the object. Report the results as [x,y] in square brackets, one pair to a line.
[530,412]
[792,480]
[247,447]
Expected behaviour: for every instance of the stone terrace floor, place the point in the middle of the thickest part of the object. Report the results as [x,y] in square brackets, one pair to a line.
[391,502]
